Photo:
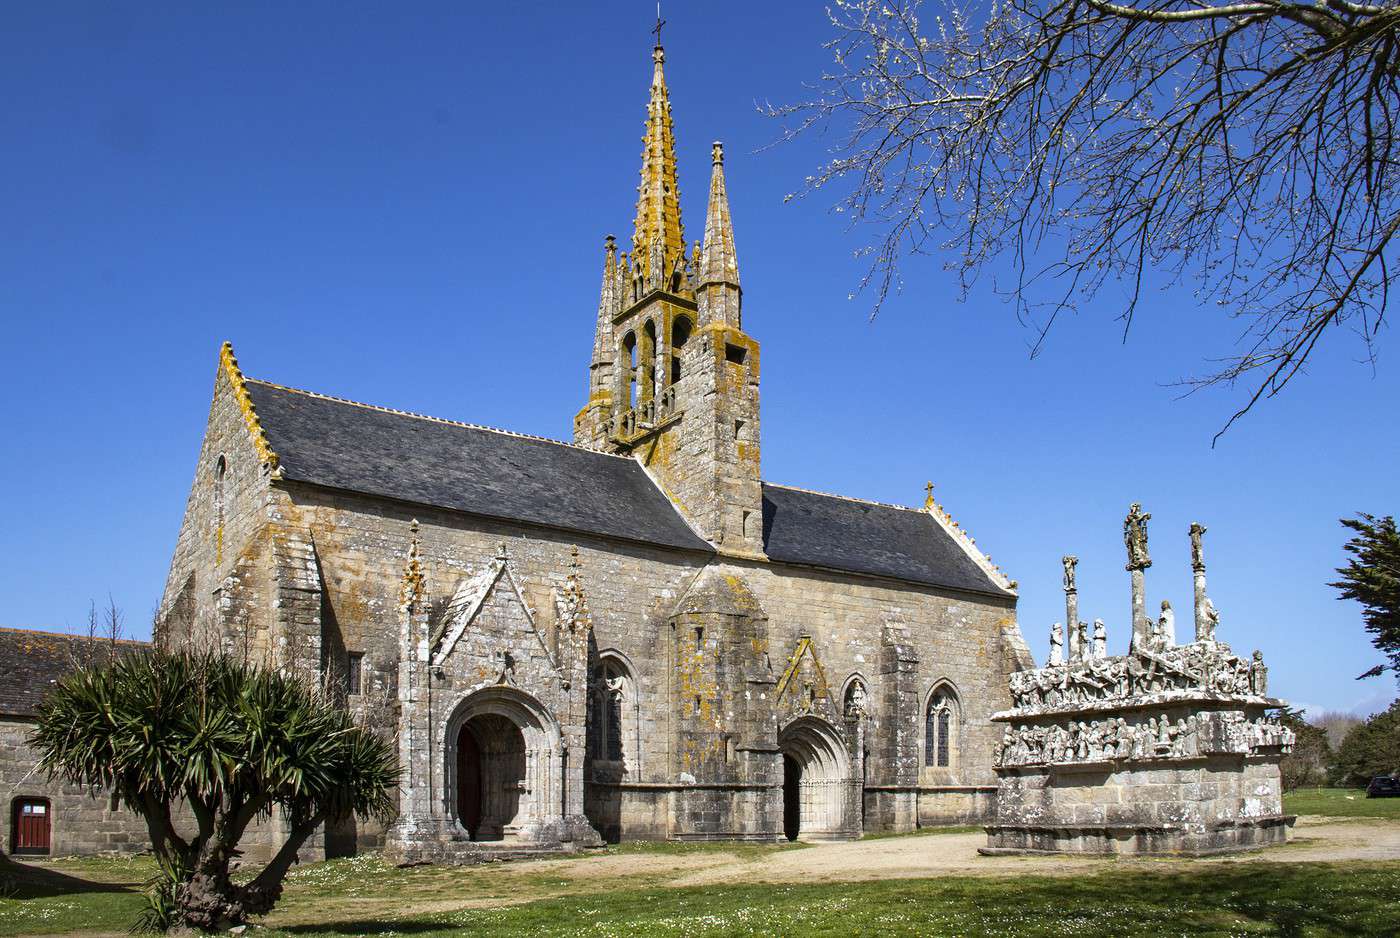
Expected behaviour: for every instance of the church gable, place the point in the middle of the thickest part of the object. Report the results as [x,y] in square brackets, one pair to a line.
[225,510]
[489,633]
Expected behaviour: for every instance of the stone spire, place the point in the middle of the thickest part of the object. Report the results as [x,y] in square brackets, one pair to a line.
[609,305]
[658,239]
[719,262]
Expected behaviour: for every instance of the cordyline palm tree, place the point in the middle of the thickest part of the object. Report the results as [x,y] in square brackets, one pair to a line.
[230,740]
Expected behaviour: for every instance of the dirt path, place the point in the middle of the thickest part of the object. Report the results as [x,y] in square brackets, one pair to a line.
[1313,840]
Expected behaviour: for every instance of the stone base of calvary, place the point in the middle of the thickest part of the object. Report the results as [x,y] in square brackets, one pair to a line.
[1169,749]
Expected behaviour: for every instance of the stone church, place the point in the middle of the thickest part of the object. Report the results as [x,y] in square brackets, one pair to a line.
[628,636]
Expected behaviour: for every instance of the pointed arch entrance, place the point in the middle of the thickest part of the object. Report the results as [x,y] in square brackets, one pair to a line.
[504,768]
[817,783]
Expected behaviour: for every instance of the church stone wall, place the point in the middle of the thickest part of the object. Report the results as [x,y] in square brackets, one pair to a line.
[950,640]
[360,547]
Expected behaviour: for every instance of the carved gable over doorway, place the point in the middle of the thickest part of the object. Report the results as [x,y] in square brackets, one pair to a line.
[488,632]
[803,688]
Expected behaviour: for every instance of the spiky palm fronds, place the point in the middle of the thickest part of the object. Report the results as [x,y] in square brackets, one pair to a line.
[232,741]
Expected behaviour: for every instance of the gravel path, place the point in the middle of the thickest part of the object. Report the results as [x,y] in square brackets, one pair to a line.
[1312,840]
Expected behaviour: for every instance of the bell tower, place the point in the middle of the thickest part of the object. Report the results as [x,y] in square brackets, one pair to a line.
[674,378]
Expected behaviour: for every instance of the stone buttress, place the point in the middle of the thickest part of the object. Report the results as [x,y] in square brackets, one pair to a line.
[725,751]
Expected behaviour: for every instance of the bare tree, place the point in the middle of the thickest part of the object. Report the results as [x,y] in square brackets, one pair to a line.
[1242,146]
[105,625]
[1336,724]
[113,627]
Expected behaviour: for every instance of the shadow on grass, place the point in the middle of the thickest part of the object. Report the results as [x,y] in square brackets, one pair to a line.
[1313,900]
[24,881]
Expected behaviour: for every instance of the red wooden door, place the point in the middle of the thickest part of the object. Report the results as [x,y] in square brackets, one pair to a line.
[31,826]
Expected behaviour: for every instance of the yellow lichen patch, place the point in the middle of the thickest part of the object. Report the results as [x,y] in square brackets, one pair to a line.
[229,364]
[413,583]
[795,663]
[658,238]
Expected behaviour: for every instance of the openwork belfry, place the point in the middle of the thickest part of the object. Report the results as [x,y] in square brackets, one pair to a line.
[631,635]
[1167,749]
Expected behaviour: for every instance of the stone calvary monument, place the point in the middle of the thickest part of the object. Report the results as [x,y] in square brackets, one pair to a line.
[1167,749]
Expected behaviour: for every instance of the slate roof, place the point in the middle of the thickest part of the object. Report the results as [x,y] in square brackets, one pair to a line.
[461,467]
[864,537]
[32,661]
[423,460]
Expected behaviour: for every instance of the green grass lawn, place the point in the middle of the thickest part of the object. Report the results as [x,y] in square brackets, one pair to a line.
[1305,901]
[1204,899]
[1340,802]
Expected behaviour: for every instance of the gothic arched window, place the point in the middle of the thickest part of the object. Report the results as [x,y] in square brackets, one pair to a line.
[648,360]
[680,334]
[940,728]
[612,720]
[629,355]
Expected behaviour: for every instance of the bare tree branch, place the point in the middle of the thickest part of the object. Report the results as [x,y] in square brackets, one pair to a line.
[1245,148]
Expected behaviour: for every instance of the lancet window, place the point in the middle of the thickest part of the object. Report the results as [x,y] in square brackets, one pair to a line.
[940,728]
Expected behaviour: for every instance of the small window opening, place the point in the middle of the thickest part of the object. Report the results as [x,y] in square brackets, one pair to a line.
[697,706]
[746,524]
[220,470]
[738,426]
[354,672]
[648,389]
[629,352]
[735,354]
[699,634]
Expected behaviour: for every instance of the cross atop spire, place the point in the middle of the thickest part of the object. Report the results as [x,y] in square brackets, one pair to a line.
[659,23]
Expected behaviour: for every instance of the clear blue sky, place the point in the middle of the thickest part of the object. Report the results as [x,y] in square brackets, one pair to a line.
[405,204]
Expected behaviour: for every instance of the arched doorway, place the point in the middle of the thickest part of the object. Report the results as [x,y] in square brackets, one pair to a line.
[816,781]
[490,776]
[503,764]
